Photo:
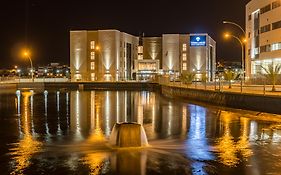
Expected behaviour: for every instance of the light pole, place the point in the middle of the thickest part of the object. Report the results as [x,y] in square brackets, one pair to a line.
[243,43]
[227,35]
[26,54]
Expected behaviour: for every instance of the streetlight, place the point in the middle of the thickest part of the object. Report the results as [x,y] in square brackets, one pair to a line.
[227,35]
[237,25]
[27,55]
[244,40]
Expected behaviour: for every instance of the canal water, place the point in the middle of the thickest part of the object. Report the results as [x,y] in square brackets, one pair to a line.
[67,132]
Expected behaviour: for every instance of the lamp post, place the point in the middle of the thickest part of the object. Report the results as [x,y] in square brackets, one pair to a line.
[26,54]
[242,54]
[243,43]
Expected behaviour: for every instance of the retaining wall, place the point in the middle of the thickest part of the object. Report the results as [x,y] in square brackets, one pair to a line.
[271,104]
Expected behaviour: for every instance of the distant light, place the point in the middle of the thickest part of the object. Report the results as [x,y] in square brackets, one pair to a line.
[18,92]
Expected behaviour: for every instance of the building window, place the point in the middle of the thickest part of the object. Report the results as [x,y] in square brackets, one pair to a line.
[92,65]
[276,46]
[183,47]
[93,76]
[92,44]
[265,9]
[276,25]
[256,51]
[276,4]
[265,48]
[249,17]
[92,55]
[265,28]
[184,66]
[184,56]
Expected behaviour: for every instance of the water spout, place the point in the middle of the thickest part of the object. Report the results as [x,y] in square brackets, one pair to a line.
[128,135]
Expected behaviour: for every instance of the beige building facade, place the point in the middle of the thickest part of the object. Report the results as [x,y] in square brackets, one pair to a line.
[263,30]
[111,55]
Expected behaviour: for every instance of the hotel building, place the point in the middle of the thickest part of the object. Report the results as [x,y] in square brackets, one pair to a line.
[263,29]
[111,55]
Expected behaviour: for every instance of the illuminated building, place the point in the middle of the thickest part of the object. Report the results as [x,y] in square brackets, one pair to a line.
[263,28]
[111,55]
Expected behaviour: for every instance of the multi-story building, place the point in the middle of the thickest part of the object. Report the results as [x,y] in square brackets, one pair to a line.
[111,55]
[263,29]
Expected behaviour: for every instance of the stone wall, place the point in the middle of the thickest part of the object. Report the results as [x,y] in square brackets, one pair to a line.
[254,102]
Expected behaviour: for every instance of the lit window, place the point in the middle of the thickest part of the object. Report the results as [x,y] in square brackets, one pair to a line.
[93,76]
[256,50]
[140,49]
[183,47]
[92,55]
[92,65]
[184,66]
[276,46]
[184,56]
[92,44]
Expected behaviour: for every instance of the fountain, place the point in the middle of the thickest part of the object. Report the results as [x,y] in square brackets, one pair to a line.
[128,135]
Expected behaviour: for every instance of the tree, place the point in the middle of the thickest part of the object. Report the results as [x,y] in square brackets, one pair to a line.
[229,75]
[271,73]
[187,78]
[204,79]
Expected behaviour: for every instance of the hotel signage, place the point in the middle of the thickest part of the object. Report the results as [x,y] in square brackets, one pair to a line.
[197,40]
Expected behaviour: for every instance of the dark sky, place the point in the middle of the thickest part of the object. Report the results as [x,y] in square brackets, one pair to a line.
[46,23]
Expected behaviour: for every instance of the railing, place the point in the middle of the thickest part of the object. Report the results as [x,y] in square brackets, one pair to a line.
[223,86]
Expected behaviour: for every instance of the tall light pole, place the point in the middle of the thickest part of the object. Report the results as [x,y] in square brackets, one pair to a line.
[237,25]
[26,54]
[243,43]
[227,35]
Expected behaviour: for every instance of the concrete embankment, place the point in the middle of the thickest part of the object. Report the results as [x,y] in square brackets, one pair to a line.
[270,104]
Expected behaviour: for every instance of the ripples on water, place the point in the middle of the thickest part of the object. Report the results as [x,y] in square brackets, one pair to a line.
[68,132]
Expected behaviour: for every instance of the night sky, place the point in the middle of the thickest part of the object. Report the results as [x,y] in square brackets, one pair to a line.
[45,24]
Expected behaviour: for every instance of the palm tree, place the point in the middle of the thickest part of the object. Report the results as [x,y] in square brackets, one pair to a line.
[271,73]
[187,78]
[229,75]
[204,79]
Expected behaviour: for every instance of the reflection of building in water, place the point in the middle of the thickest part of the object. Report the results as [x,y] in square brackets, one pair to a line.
[79,106]
[27,145]
[109,107]
[171,119]
[197,144]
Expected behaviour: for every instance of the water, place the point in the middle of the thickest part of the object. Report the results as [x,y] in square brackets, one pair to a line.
[64,132]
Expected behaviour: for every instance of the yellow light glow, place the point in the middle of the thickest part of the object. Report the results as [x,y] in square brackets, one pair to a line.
[226,35]
[26,53]
[97,48]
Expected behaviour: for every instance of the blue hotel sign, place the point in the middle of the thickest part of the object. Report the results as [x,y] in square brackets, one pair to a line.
[198,40]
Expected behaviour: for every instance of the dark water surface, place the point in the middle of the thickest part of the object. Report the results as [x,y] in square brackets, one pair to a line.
[67,133]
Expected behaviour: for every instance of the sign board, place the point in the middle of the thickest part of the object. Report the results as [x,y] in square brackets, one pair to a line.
[197,40]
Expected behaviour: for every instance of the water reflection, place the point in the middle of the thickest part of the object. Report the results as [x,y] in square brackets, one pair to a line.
[28,145]
[231,152]
[184,138]
[197,145]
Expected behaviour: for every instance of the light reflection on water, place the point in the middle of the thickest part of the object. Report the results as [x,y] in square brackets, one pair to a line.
[68,132]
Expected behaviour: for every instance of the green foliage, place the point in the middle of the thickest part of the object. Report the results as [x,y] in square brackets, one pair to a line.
[271,73]
[187,78]
[229,75]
